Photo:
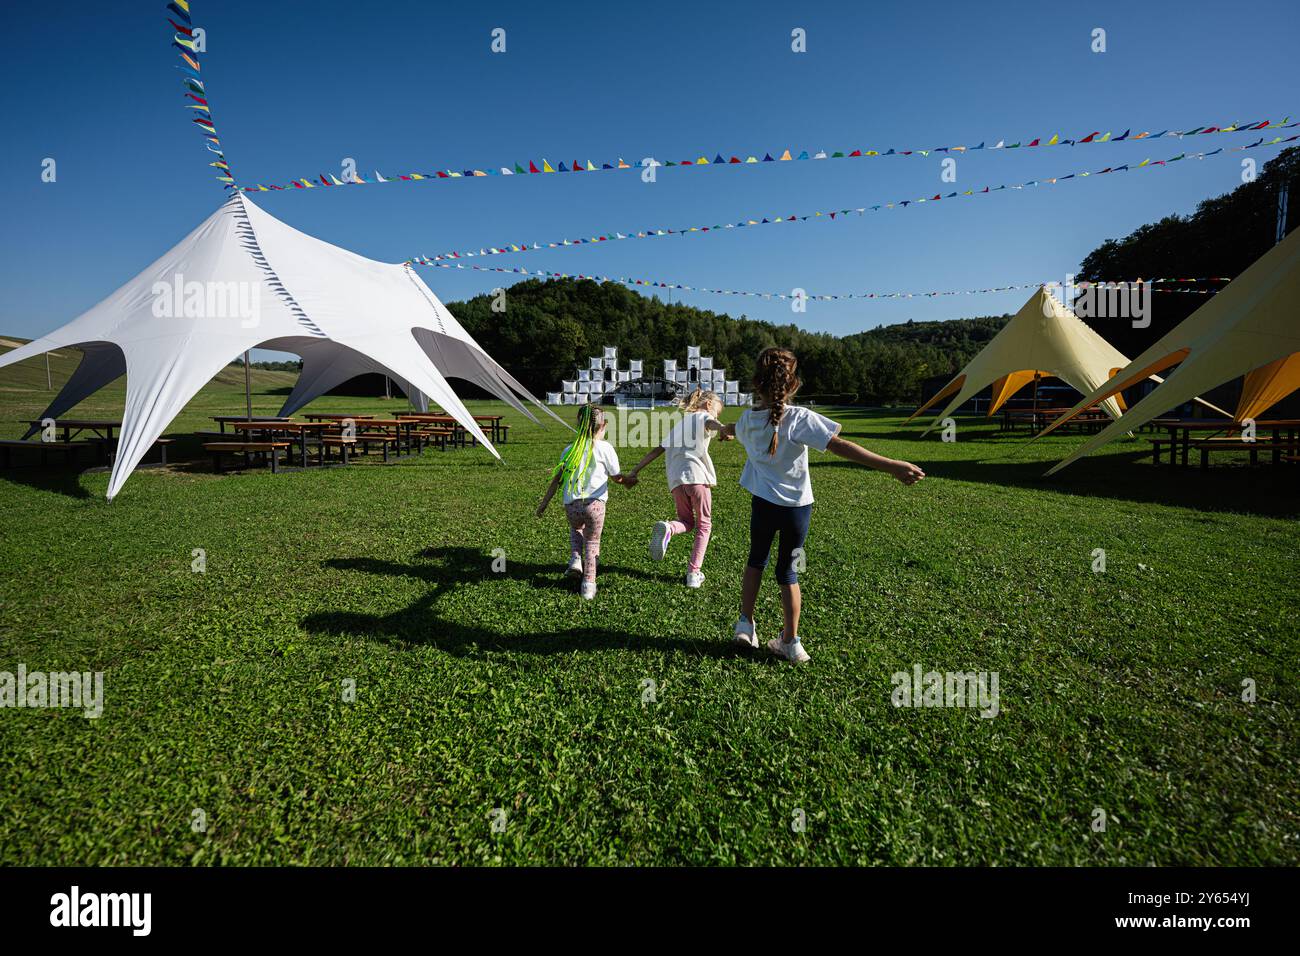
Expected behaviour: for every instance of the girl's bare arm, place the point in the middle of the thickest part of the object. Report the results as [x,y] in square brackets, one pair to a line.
[904,471]
[650,456]
[550,493]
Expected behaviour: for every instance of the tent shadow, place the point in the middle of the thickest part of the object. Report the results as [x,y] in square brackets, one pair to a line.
[59,480]
[1267,490]
[451,568]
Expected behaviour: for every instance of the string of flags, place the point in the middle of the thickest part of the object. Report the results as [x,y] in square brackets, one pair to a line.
[831,215]
[807,296]
[732,159]
[183,41]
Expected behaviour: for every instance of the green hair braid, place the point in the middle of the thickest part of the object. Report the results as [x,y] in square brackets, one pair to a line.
[578,460]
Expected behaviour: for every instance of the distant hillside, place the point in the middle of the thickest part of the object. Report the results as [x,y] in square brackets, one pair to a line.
[967,335]
[28,376]
[550,328]
[1222,238]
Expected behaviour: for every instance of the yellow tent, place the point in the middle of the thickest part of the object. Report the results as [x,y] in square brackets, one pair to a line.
[1043,338]
[1250,328]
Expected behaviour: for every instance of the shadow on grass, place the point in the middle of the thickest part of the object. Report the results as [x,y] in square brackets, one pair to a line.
[452,568]
[60,479]
[1267,490]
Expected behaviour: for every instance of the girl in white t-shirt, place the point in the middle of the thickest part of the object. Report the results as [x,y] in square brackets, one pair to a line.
[690,479]
[776,437]
[586,468]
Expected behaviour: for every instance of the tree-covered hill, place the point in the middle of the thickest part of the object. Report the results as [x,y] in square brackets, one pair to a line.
[1221,238]
[549,328]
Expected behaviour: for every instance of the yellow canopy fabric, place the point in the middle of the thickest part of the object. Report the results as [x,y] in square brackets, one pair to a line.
[1250,326]
[1043,338]
[1268,385]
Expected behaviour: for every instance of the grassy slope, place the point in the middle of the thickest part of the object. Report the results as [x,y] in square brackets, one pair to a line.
[478,690]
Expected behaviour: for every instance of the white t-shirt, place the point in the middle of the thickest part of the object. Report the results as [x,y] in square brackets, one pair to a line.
[782,478]
[604,462]
[686,452]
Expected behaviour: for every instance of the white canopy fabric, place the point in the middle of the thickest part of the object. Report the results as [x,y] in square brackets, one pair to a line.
[1044,337]
[1244,328]
[241,280]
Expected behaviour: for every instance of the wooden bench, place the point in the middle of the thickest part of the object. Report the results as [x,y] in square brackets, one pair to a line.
[1207,445]
[335,441]
[161,444]
[438,436]
[383,439]
[1157,444]
[247,447]
[108,448]
[504,429]
[69,448]
[1236,444]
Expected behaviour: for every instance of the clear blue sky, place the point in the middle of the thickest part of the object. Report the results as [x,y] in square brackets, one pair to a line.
[297,87]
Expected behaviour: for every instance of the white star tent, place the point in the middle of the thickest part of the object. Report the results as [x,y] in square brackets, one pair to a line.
[242,280]
[1247,329]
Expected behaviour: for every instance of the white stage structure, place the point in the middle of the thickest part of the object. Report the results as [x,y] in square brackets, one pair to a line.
[602,376]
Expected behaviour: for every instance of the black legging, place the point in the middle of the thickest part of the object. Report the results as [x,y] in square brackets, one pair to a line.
[766,520]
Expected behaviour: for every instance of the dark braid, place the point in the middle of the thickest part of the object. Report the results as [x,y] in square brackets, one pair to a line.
[776,382]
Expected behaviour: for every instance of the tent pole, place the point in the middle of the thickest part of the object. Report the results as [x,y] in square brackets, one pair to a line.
[248,389]
[1282,191]
[49,386]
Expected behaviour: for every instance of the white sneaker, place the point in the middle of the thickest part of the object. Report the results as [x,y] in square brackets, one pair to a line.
[694,579]
[659,540]
[575,566]
[791,651]
[587,589]
[745,633]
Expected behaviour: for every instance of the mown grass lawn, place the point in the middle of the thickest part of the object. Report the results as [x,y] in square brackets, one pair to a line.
[484,696]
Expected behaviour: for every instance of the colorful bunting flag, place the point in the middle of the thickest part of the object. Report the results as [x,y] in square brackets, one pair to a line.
[183,41]
[1093,138]
[832,214]
[824,297]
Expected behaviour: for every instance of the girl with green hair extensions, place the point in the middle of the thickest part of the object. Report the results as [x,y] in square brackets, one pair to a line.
[585,469]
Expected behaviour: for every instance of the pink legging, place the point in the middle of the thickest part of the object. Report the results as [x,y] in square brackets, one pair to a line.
[586,521]
[694,510]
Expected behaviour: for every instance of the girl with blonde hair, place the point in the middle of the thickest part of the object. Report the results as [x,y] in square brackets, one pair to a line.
[691,478]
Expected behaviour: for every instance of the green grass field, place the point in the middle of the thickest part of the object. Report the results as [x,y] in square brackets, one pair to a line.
[485,697]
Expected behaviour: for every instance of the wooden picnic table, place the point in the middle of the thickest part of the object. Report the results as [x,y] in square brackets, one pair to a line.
[1185,427]
[1042,417]
[302,430]
[222,420]
[401,428]
[75,426]
[492,421]
[72,427]
[320,417]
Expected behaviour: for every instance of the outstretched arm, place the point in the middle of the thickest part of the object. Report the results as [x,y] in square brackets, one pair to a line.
[630,478]
[904,471]
[725,432]
[550,493]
